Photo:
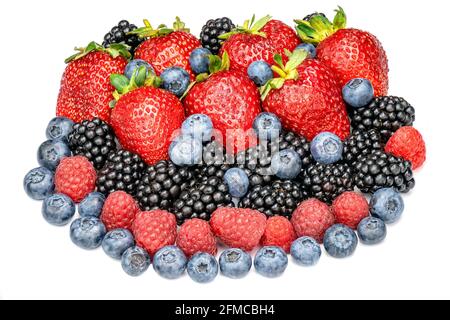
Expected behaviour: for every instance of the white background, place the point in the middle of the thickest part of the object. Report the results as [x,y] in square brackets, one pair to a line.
[39,261]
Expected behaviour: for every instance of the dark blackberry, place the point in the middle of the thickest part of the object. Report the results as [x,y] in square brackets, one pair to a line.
[122,171]
[93,139]
[361,143]
[211,32]
[278,198]
[385,114]
[381,170]
[309,16]
[161,185]
[119,34]
[327,182]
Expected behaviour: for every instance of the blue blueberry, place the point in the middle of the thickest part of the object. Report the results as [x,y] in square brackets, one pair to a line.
[237,181]
[340,241]
[372,230]
[170,262]
[134,65]
[92,205]
[39,183]
[235,263]
[203,268]
[358,92]
[51,152]
[116,242]
[327,148]
[199,60]
[306,251]
[271,262]
[309,48]
[286,164]
[87,233]
[260,73]
[387,204]
[267,126]
[58,209]
[175,80]
[135,261]
[186,151]
[198,126]
[59,128]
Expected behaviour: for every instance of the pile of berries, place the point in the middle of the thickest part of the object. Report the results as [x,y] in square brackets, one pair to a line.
[256,136]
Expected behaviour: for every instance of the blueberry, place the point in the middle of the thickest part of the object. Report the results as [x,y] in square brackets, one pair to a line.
[260,73]
[58,209]
[116,242]
[51,152]
[237,182]
[202,268]
[87,233]
[199,60]
[198,126]
[170,262]
[235,263]
[267,126]
[340,241]
[327,148]
[134,65]
[306,251]
[59,128]
[92,205]
[135,261]
[39,183]
[387,204]
[186,151]
[309,48]
[372,230]
[175,80]
[358,92]
[271,262]
[286,164]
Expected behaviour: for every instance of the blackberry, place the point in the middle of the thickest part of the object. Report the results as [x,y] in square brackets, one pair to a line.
[211,32]
[279,198]
[385,114]
[361,143]
[327,182]
[93,139]
[122,171]
[161,184]
[309,16]
[381,170]
[119,34]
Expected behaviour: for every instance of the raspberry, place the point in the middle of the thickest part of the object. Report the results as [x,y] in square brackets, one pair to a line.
[312,218]
[119,211]
[75,177]
[350,208]
[154,230]
[195,236]
[279,232]
[238,228]
[408,143]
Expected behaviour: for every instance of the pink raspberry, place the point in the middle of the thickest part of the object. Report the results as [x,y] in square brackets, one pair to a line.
[195,236]
[279,232]
[350,208]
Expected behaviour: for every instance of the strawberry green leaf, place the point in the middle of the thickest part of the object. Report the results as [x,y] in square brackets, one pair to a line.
[296,59]
[215,64]
[274,84]
[279,60]
[258,25]
[225,62]
[120,82]
[141,76]
[340,19]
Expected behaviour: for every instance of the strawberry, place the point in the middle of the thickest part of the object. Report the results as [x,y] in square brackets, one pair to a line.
[259,40]
[350,53]
[167,47]
[86,90]
[306,97]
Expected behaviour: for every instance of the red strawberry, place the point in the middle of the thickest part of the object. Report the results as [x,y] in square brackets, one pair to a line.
[144,121]
[238,228]
[195,236]
[350,53]
[119,211]
[86,90]
[306,98]
[279,232]
[153,230]
[167,47]
[281,36]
